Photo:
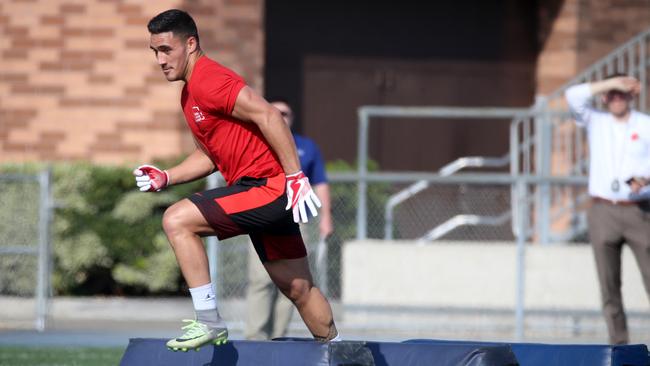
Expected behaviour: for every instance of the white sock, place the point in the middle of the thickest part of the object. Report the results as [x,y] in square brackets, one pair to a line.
[203,297]
[337,338]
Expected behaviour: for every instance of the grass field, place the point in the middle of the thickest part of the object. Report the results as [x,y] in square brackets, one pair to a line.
[33,356]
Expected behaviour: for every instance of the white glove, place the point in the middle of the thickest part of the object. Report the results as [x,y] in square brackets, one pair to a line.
[150,179]
[299,194]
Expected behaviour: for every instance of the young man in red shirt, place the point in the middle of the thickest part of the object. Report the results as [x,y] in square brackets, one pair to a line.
[245,138]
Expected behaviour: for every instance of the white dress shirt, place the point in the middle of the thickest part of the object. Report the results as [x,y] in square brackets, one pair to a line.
[618,150]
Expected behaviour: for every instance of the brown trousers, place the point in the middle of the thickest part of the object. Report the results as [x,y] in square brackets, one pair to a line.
[610,226]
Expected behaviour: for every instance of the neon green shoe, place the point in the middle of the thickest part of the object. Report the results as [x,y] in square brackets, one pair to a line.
[197,335]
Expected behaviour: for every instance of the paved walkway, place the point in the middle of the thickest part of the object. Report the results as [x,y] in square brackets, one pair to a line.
[111,321]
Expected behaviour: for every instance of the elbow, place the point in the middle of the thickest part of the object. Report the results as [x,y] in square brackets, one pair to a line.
[570,93]
[265,121]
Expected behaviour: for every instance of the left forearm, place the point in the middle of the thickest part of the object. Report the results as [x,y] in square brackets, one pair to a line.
[326,224]
[323,192]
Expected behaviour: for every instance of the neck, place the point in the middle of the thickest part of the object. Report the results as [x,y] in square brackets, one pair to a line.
[191,62]
[623,117]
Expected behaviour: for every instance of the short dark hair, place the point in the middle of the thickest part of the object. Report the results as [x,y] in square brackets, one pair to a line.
[176,21]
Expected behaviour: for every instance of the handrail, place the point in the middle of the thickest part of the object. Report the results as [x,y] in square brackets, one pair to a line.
[461,178]
[18,177]
[447,170]
[15,249]
[366,112]
[604,61]
[461,220]
[474,162]
[395,200]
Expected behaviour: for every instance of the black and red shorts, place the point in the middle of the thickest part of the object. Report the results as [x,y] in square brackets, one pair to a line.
[254,206]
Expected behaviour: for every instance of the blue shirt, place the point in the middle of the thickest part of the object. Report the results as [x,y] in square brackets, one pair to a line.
[311,161]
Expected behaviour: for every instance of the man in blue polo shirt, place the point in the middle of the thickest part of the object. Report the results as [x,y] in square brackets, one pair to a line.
[269,312]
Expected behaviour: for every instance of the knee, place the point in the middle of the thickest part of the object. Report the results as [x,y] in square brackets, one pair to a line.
[298,291]
[172,221]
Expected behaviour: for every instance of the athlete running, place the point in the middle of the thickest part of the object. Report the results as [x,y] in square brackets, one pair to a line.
[238,133]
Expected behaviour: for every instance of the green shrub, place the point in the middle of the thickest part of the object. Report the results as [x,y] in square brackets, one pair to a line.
[107,236]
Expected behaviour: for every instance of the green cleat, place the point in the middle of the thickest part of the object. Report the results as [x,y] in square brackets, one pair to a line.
[196,335]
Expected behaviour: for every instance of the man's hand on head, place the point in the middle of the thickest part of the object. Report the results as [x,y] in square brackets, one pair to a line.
[625,84]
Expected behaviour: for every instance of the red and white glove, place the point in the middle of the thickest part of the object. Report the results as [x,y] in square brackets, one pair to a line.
[299,194]
[150,179]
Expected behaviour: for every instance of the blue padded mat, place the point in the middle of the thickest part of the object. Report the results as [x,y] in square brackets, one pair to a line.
[535,354]
[143,352]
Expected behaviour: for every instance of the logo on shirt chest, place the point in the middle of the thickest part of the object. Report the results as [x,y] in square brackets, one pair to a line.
[198,115]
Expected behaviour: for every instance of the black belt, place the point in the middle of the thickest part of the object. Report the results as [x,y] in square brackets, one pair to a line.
[615,203]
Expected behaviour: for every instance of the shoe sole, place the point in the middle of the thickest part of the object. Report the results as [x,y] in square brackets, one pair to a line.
[216,342]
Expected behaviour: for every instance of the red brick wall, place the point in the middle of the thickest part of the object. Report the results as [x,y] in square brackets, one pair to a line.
[582,32]
[78,80]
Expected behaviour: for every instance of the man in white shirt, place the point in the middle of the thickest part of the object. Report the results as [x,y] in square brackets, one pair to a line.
[619,141]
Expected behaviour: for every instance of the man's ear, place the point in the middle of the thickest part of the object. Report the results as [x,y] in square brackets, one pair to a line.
[192,44]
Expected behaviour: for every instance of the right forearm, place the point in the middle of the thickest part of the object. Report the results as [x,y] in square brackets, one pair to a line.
[196,165]
[602,86]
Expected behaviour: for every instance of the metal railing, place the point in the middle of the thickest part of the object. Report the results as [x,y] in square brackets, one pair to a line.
[520,185]
[461,220]
[546,148]
[365,115]
[42,249]
[449,169]
[548,142]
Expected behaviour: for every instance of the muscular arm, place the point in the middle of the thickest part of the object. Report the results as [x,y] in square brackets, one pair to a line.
[251,107]
[196,165]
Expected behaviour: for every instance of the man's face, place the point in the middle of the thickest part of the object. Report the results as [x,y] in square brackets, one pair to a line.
[287,114]
[171,53]
[618,103]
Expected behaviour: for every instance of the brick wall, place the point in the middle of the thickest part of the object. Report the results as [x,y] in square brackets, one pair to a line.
[576,33]
[78,80]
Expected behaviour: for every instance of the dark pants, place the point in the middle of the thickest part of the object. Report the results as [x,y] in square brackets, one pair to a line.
[610,226]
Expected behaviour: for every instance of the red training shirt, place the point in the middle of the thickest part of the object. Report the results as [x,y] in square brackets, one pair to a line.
[237,148]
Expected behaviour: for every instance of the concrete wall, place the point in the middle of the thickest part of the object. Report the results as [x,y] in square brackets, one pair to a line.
[477,275]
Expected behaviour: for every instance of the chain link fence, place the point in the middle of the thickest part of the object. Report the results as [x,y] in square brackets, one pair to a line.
[25,216]
[413,219]
[18,232]
[439,204]
[232,254]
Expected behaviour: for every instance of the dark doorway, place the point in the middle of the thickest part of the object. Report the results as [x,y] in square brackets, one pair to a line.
[330,57]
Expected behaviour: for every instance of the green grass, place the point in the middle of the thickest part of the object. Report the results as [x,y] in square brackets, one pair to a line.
[45,356]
